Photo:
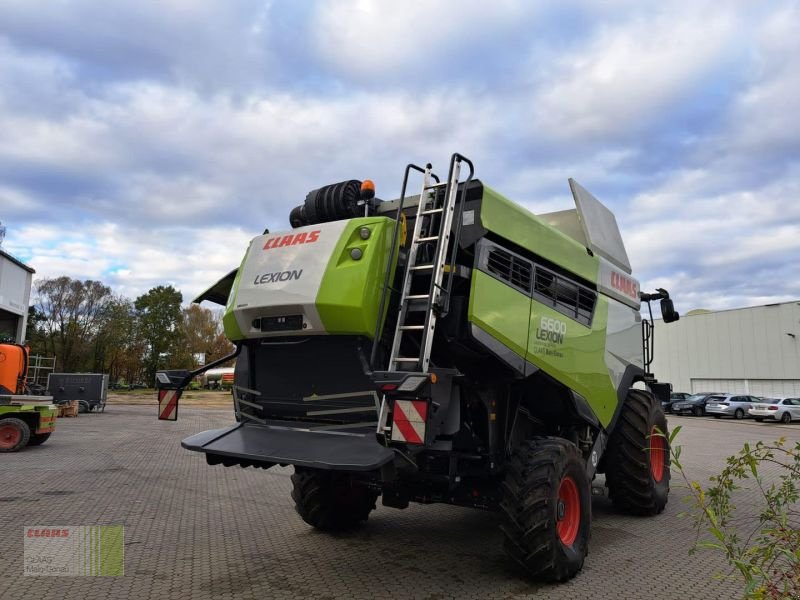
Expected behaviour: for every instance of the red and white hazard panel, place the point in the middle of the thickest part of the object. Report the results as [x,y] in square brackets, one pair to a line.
[168,404]
[408,419]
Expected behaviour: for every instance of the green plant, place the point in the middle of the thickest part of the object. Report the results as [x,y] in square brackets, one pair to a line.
[760,539]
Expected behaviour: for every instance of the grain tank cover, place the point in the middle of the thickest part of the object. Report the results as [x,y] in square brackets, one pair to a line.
[600,227]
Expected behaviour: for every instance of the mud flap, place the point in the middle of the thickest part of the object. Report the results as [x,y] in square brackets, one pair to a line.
[289,444]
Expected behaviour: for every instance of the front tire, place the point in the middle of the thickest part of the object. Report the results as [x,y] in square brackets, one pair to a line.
[546,505]
[697,411]
[739,414]
[330,501]
[637,460]
[14,434]
[37,439]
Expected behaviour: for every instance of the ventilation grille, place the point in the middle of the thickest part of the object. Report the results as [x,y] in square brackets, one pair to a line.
[565,296]
[510,268]
[553,289]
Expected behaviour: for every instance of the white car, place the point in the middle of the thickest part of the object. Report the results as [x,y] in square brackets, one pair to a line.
[729,405]
[784,410]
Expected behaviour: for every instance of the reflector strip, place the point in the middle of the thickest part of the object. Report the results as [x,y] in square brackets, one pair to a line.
[168,404]
[409,417]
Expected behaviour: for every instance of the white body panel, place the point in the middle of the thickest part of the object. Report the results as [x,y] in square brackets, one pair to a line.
[289,266]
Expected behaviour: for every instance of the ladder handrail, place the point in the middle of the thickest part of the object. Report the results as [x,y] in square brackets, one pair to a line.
[445,202]
[378,325]
[457,236]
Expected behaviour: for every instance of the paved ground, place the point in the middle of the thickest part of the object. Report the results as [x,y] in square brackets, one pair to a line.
[194,531]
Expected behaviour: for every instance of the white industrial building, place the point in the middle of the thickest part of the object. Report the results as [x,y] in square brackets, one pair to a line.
[742,351]
[15,295]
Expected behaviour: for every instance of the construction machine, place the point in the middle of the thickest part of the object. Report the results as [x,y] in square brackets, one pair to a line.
[25,419]
[449,346]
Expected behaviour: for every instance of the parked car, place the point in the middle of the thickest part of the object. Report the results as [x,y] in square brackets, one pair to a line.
[784,410]
[673,398]
[729,405]
[694,404]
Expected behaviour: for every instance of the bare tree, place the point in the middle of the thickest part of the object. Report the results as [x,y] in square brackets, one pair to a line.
[71,312]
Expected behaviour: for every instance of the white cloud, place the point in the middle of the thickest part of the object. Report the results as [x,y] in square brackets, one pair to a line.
[631,71]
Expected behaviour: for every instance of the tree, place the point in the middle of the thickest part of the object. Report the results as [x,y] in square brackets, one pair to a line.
[70,310]
[159,320]
[118,349]
[201,333]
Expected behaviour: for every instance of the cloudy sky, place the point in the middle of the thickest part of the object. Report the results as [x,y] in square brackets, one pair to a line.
[146,143]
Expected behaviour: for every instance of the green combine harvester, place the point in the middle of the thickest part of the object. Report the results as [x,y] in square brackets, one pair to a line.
[445,347]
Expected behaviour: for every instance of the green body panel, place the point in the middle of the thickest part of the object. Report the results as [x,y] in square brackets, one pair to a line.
[232,330]
[29,413]
[500,310]
[516,224]
[349,296]
[576,359]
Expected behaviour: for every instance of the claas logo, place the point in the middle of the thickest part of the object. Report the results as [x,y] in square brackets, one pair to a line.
[305,237]
[624,285]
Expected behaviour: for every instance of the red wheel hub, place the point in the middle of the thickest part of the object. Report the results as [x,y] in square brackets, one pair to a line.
[9,436]
[658,454]
[569,511]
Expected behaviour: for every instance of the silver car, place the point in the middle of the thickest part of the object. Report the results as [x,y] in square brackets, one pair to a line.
[729,405]
[784,410]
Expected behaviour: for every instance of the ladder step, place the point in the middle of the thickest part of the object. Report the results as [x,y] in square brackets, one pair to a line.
[426,239]
[432,211]
[412,327]
[422,268]
[418,297]
[404,359]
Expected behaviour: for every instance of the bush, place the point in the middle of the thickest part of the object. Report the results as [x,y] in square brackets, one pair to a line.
[760,541]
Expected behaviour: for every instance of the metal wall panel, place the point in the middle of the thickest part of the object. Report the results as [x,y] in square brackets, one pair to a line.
[752,344]
[775,388]
[730,386]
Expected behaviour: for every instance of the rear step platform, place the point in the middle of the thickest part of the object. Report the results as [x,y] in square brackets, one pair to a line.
[291,444]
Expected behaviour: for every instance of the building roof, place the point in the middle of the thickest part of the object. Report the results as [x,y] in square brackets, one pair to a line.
[702,311]
[16,261]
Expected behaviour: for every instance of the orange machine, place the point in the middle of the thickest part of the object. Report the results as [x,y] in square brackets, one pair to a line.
[13,368]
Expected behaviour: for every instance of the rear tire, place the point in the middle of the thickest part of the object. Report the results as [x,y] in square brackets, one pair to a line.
[637,460]
[786,418]
[698,412]
[14,434]
[329,500]
[37,439]
[83,407]
[547,511]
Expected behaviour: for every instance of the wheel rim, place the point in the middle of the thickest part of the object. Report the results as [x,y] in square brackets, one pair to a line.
[9,436]
[658,451]
[786,418]
[569,511]
[739,414]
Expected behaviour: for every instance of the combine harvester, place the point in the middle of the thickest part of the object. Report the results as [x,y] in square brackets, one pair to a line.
[446,347]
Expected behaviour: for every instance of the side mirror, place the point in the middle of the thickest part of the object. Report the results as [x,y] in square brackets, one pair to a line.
[668,312]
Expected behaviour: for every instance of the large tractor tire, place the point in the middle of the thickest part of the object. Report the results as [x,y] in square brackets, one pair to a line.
[37,439]
[637,459]
[330,501]
[14,434]
[547,511]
